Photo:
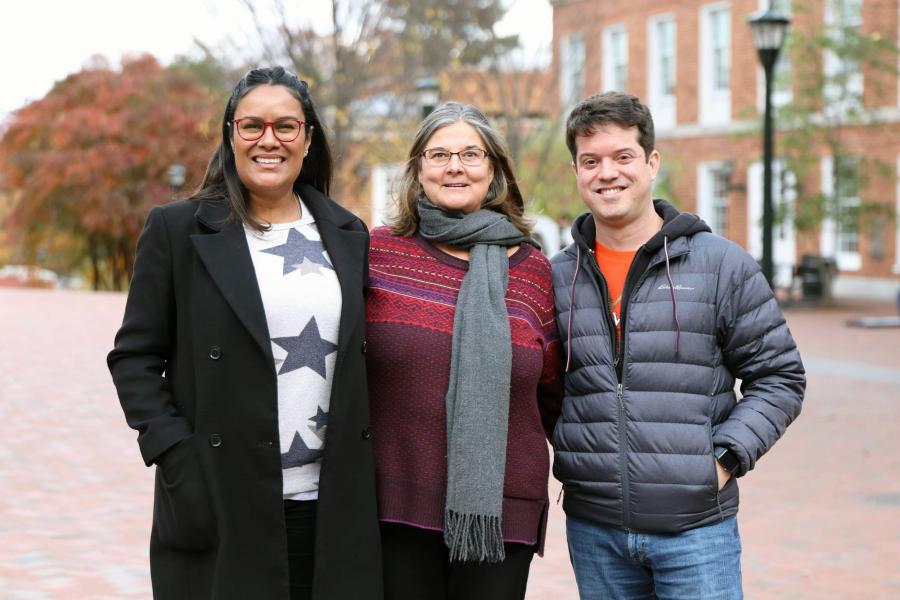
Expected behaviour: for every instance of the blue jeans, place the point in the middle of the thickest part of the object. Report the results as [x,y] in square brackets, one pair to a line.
[702,563]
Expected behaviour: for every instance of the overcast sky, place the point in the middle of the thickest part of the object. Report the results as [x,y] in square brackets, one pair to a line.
[44,40]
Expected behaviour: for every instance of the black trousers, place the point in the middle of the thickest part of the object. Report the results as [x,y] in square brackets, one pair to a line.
[417,567]
[300,519]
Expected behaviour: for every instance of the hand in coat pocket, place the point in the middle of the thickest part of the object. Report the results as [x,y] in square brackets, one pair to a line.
[182,512]
[723,475]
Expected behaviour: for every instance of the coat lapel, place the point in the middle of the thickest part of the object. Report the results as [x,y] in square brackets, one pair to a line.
[226,256]
[347,249]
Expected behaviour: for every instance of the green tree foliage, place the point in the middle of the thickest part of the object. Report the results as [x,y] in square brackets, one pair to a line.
[363,73]
[434,34]
[546,176]
[87,161]
[828,62]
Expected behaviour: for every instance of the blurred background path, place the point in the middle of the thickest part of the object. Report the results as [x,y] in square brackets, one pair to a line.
[820,516]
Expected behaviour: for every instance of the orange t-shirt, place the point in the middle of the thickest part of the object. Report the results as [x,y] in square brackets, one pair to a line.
[614,265]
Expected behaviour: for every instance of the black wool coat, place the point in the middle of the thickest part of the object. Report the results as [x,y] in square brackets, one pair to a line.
[195,375]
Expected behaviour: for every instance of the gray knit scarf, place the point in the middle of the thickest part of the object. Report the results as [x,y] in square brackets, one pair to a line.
[478,392]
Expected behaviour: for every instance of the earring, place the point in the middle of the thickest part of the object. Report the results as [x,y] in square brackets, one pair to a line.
[305,152]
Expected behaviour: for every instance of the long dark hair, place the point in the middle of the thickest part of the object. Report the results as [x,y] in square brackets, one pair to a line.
[221,178]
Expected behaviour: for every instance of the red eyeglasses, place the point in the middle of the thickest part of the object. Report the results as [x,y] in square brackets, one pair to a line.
[286,129]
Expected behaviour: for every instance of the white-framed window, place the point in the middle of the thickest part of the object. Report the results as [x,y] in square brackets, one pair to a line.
[661,69]
[844,88]
[715,63]
[784,198]
[571,75]
[840,231]
[782,93]
[712,195]
[720,26]
[847,200]
[615,58]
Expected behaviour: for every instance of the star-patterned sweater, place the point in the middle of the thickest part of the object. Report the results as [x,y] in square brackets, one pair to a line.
[302,299]
[411,302]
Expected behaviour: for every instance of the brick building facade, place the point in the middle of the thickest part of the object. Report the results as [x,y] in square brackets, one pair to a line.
[694,63]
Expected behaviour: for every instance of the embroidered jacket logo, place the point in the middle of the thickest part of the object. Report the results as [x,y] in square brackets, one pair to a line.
[678,287]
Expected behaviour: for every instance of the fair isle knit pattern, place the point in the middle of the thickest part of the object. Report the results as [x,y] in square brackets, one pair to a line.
[410,308]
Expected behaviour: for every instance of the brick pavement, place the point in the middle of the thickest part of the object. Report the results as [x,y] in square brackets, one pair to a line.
[76,501]
[820,517]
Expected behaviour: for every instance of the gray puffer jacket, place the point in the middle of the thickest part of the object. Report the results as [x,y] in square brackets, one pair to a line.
[634,444]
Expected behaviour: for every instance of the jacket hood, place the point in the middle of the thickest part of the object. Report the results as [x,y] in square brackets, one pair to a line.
[676,224]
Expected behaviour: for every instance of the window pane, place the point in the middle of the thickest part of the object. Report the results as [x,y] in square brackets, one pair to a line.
[572,76]
[720,201]
[620,59]
[846,173]
[665,51]
[721,43]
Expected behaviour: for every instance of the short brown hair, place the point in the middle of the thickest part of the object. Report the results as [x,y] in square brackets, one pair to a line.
[624,110]
[503,195]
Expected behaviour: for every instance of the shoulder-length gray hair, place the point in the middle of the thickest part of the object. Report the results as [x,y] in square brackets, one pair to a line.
[503,193]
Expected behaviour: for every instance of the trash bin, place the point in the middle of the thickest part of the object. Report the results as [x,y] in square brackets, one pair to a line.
[816,274]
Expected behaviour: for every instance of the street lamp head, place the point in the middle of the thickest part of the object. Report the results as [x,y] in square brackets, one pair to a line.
[429,92]
[769,29]
[176,174]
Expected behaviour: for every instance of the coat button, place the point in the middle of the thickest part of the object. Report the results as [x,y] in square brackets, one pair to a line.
[215,352]
[364,347]
[215,440]
[367,433]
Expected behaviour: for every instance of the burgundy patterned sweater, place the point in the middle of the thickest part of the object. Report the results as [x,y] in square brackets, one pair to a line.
[410,306]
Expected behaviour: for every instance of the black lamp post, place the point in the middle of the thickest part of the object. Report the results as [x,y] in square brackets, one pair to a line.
[769,30]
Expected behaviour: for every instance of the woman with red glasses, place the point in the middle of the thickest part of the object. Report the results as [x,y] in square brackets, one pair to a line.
[240,364]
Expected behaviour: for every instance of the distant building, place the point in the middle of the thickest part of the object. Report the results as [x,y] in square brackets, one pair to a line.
[694,63]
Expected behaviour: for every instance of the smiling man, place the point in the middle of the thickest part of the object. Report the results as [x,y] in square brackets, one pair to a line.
[659,317]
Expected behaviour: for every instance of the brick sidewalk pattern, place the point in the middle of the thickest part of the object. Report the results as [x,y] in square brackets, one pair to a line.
[820,516]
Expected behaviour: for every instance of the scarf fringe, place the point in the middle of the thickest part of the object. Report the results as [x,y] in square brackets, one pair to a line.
[473,538]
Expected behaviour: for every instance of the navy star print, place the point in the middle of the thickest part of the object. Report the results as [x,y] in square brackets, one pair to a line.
[299,454]
[306,350]
[321,418]
[298,252]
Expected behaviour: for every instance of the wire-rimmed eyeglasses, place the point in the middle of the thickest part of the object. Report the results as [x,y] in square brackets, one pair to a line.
[470,157]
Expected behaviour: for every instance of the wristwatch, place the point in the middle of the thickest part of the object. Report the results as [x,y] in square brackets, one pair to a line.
[727,459]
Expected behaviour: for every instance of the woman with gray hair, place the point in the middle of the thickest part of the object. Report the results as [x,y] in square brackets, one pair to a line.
[464,370]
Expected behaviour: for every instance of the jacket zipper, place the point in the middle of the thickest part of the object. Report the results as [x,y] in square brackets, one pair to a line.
[632,283]
[620,389]
[630,286]
[623,460]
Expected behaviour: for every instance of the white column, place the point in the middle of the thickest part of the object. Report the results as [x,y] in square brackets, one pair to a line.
[896,268]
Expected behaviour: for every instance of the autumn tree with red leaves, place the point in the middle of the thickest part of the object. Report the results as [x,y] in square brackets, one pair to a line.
[87,162]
